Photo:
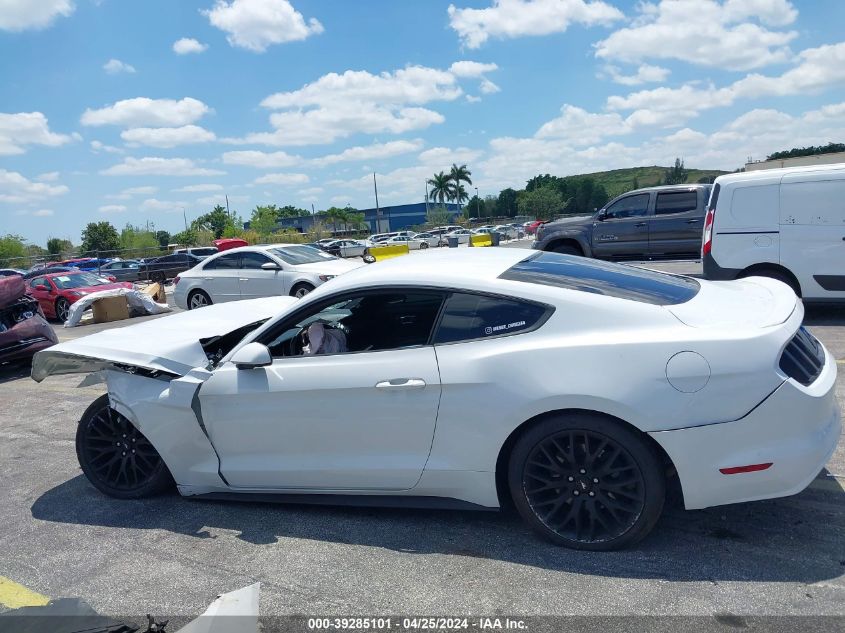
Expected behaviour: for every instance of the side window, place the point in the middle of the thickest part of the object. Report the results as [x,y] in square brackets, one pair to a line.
[253,261]
[39,284]
[467,317]
[628,207]
[371,322]
[676,202]
[227,262]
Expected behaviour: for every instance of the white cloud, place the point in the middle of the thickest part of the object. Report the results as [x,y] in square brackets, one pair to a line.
[370,152]
[188,45]
[142,112]
[49,176]
[282,179]
[16,188]
[126,194]
[507,19]
[261,160]
[257,24]
[580,127]
[154,166]
[442,157]
[488,87]
[646,73]
[471,69]
[112,208]
[98,146]
[473,99]
[43,213]
[26,128]
[115,67]
[221,199]
[20,15]
[706,33]
[167,136]
[199,188]
[168,206]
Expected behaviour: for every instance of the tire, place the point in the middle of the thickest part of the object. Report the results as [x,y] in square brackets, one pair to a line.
[62,309]
[567,249]
[606,497]
[104,448]
[198,299]
[772,273]
[158,277]
[300,290]
[424,245]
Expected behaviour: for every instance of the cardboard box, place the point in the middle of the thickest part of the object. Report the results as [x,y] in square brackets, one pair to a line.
[110,309]
[156,291]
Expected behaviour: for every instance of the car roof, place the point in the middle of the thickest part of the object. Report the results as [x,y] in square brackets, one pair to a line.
[768,174]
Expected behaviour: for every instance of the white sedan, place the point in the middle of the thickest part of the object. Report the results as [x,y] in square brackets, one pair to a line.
[413,243]
[250,272]
[463,235]
[429,238]
[575,388]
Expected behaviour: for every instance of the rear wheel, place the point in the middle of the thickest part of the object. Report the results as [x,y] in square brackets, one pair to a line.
[567,249]
[198,299]
[300,290]
[62,309]
[116,457]
[586,482]
[424,245]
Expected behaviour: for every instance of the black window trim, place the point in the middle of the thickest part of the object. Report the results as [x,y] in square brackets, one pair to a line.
[446,291]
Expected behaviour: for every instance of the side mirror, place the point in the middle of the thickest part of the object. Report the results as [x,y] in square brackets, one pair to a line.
[602,216]
[252,355]
[270,266]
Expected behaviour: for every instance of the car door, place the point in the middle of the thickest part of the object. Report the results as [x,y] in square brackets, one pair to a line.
[221,278]
[677,222]
[621,229]
[256,282]
[362,419]
[41,290]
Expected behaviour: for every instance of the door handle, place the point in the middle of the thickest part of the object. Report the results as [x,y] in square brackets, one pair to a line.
[242,279]
[401,383]
[208,278]
[693,220]
[640,224]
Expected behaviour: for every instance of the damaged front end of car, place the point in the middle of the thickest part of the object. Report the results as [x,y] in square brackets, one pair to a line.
[153,372]
[23,329]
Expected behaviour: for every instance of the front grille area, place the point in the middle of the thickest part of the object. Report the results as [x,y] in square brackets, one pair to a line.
[803,358]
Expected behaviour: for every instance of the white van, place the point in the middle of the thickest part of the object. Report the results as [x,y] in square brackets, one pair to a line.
[788,224]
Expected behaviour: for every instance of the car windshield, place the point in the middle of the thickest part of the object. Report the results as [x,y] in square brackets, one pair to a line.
[604,278]
[300,254]
[78,280]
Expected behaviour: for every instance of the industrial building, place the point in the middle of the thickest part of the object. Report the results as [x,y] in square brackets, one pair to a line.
[382,220]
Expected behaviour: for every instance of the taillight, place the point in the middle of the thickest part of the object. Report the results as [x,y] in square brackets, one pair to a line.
[175,280]
[707,245]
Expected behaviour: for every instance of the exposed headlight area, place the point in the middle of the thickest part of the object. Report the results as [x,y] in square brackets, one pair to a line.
[23,309]
[326,277]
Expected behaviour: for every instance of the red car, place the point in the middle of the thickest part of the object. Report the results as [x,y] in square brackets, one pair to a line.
[58,291]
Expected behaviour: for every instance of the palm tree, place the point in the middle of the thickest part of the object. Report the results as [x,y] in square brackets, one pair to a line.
[459,194]
[458,175]
[335,215]
[441,187]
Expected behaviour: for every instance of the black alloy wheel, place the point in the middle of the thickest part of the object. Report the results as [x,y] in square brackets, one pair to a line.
[116,457]
[587,482]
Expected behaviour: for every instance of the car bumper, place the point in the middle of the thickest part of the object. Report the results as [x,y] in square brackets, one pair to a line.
[796,429]
[26,338]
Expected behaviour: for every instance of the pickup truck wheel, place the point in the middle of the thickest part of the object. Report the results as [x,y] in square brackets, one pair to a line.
[567,249]
[116,457]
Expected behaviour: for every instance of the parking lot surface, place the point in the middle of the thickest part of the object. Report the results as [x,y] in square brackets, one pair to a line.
[61,538]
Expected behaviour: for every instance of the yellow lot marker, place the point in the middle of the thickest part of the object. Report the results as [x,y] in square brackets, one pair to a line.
[13,595]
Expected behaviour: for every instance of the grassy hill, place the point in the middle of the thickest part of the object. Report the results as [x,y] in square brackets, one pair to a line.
[618,181]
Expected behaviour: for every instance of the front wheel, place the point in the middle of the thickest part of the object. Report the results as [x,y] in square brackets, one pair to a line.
[424,245]
[198,299]
[300,290]
[586,482]
[116,457]
[62,309]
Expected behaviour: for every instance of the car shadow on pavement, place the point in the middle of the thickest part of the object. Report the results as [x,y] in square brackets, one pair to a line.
[15,371]
[824,314]
[796,539]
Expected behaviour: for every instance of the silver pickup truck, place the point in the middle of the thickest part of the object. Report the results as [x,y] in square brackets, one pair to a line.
[658,222]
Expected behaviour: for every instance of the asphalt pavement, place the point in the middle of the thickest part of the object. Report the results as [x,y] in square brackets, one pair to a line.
[59,537]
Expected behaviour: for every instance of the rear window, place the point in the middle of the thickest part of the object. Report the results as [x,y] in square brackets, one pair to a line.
[676,202]
[468,316]
[603,278]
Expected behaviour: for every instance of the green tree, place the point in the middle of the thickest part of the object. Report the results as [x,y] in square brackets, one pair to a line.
[598,198]
[356,219]
[186,238]
[263,219]
[507,202]
[459,193]
[215,221]
[441,187]
[437,216]
[458,176]
[12,251]
[636,183]
[676,175]
[475,207]
[290,211]
[137,238]
[541,202]
[491,207]
[99,236]
[336,215]
[163,238]
[58,247]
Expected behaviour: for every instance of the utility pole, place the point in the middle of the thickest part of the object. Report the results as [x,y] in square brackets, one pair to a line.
[227,206]
[426,197]
[185,217]
[378,211]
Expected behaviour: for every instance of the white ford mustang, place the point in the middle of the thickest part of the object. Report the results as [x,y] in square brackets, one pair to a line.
[576,388]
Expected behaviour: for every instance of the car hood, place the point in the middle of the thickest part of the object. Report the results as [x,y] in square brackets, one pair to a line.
[171,345]
[579,219]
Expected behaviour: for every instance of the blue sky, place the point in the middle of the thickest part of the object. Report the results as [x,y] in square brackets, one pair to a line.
[135,110]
